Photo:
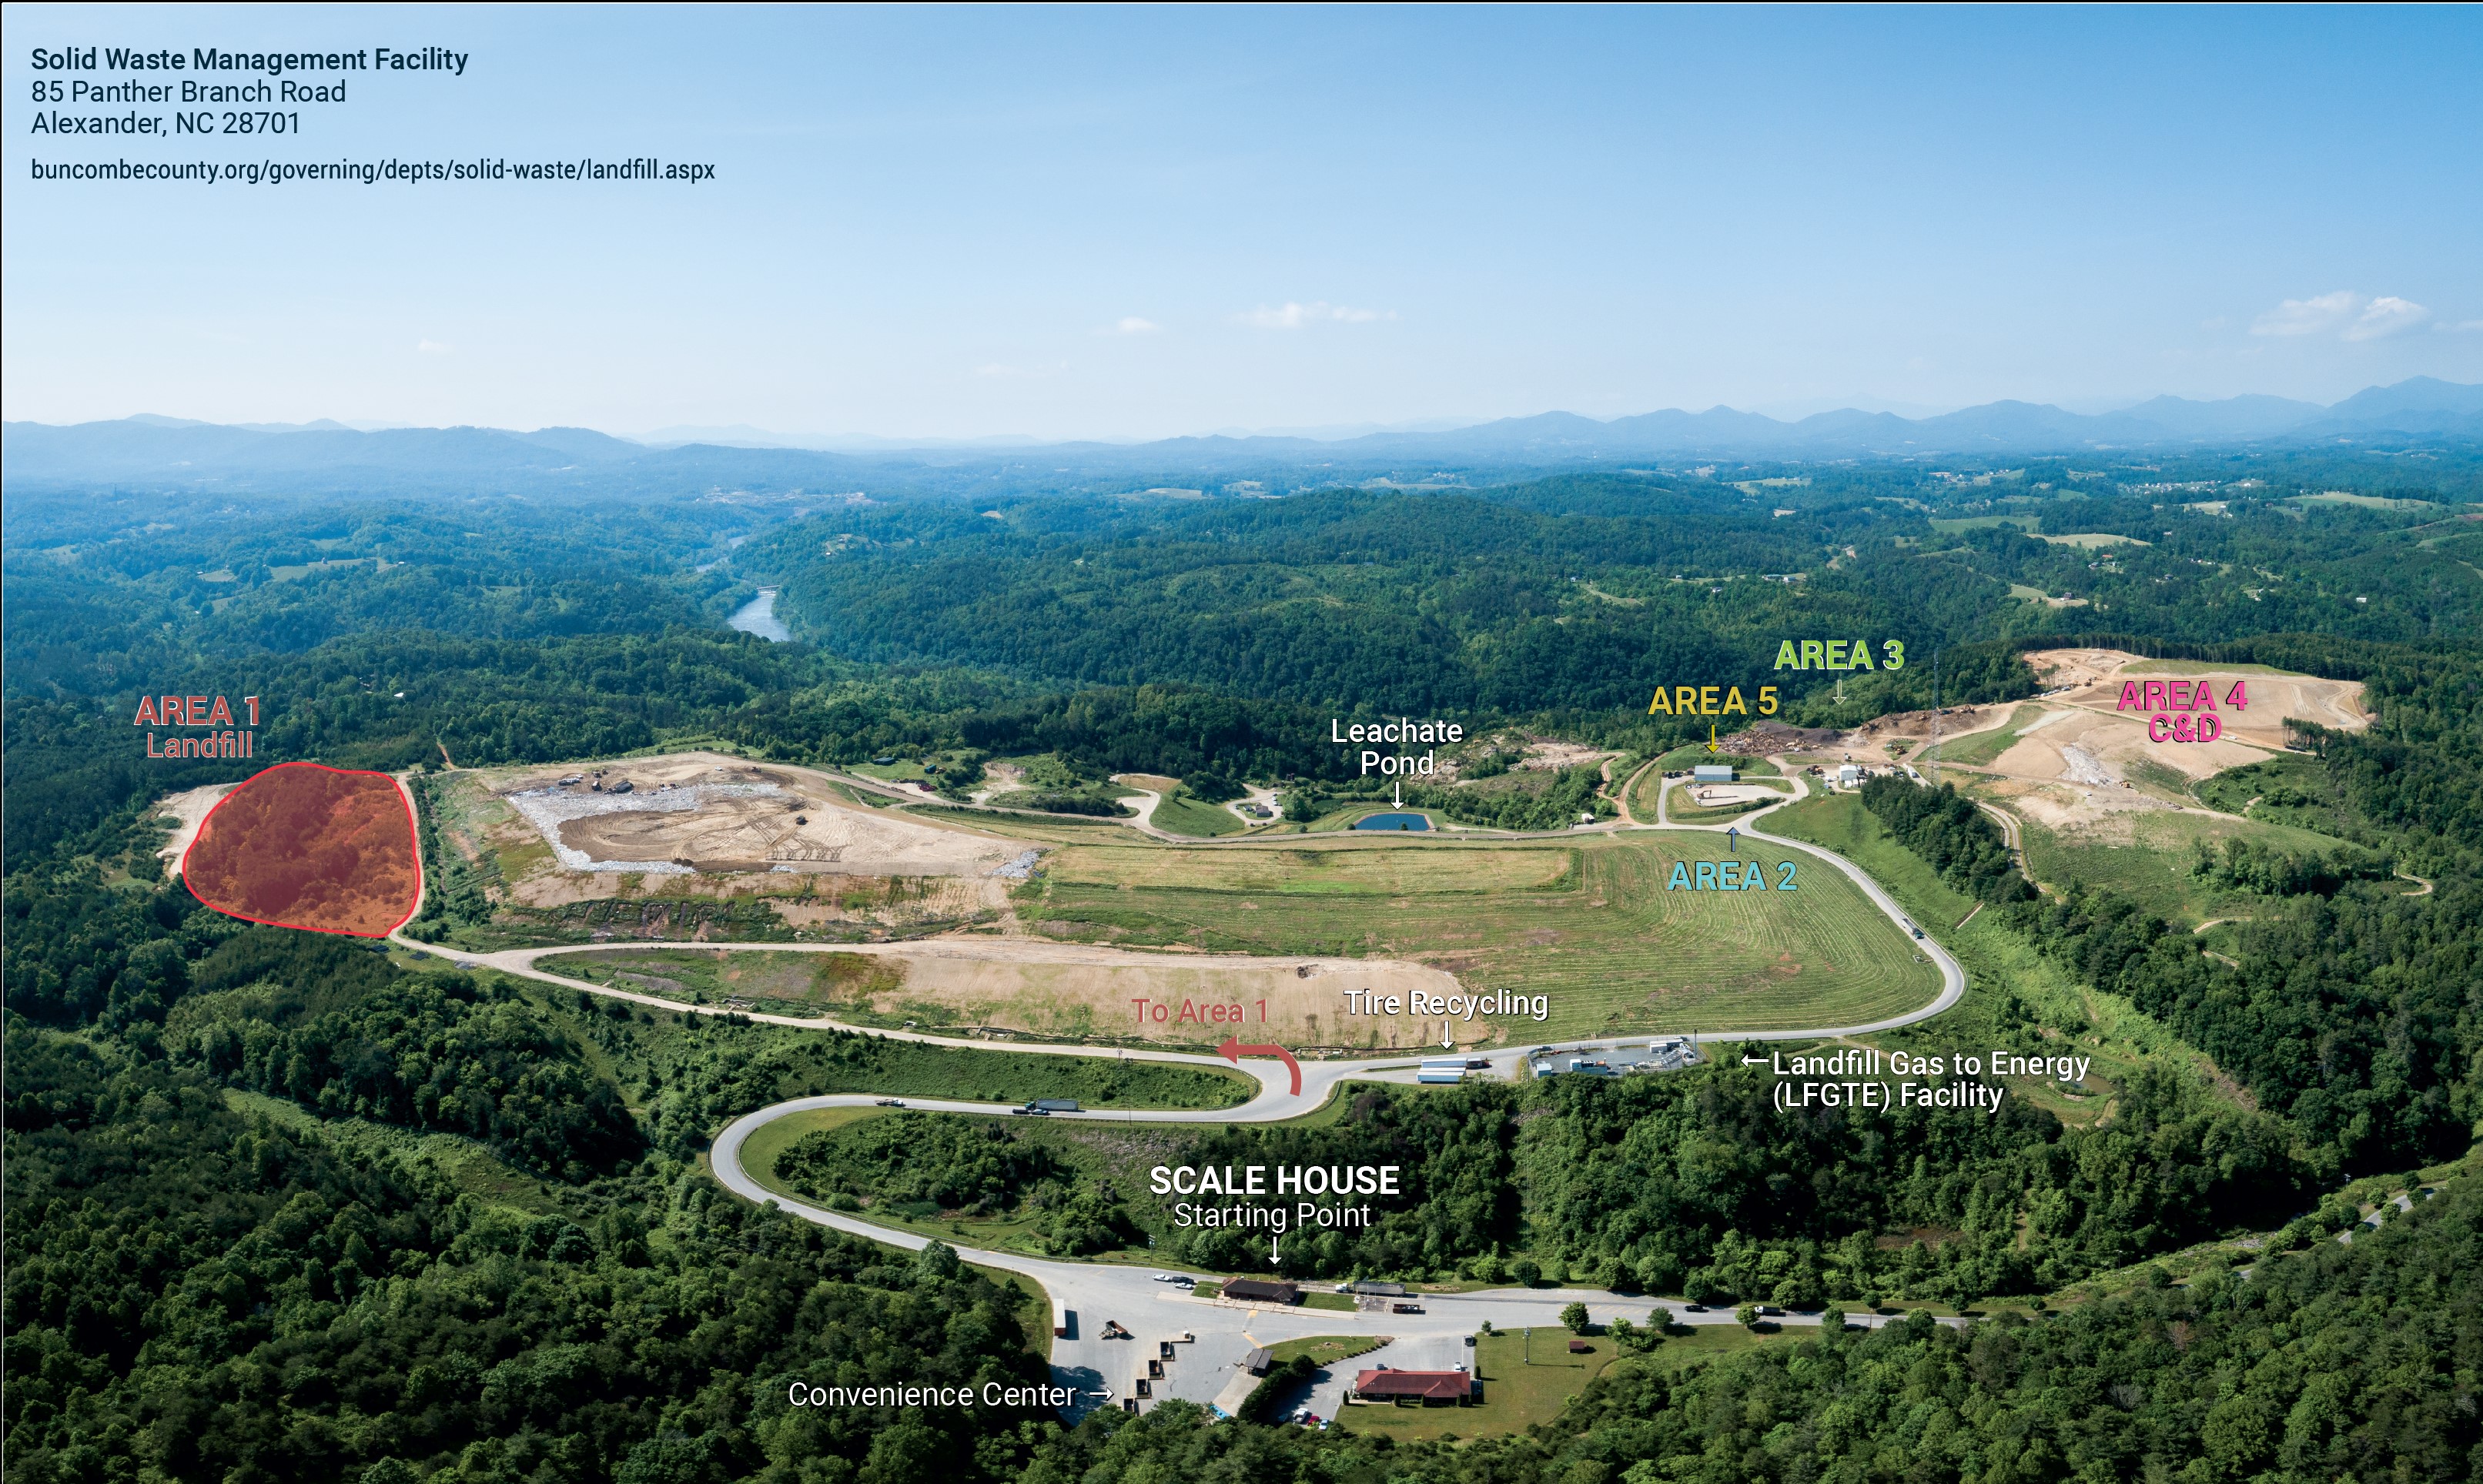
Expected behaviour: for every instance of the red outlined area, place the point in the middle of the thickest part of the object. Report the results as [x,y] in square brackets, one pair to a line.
[330,849]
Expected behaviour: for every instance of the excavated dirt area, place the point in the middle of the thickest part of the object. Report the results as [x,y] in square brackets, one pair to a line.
[188,809]
[2096,677]
[1873,736]
[2108,815]
[1547,755]
[1069,991]
[2100,750]
[1766,739]
[712,814]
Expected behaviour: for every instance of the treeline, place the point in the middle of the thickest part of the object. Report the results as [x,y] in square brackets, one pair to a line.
[2248,866]
[210,1296]
[2347,1013]
[2341,1363]
[1164,728]
[1697,1183]
[344,1033]
[1948,831]
[1576,593]
[1455,1164]
[974,1165]
[1557,800]
[121,604]
[918,1165]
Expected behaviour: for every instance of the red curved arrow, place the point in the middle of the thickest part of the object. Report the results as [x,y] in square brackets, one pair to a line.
[1233,1050]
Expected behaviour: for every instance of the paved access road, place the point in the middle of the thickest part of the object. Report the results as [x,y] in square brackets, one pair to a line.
[1094,1293]
[1085,1295]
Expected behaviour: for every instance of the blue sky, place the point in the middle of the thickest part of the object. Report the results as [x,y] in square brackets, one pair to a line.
[1133,224]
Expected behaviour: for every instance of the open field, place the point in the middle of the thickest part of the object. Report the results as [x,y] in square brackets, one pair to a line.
[2120,1037]
[1980,748]
[2367,501]
[1587,924]
[1182,814]
[2148,857]
[1516,1394]
[1338,870]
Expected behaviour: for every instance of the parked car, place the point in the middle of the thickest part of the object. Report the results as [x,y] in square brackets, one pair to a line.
[891,1102]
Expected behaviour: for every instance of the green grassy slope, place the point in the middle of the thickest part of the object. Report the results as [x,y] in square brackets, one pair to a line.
[1611,948]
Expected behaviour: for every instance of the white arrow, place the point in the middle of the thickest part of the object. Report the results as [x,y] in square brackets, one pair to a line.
[1447,1043]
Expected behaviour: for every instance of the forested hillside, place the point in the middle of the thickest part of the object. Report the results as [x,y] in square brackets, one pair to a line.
[1581,593]
[282,1208]
[2340,1363]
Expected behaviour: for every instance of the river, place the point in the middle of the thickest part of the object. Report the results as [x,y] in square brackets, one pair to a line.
[759,617]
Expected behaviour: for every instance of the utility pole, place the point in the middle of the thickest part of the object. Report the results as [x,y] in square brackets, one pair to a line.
[1931,757]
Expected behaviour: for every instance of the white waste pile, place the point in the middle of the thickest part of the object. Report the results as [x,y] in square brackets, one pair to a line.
[548,808]
[1020,867]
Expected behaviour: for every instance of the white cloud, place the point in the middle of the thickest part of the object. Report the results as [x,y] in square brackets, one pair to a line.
[433,347]
[2386,315]
[2346,314]
[2309,316]
[1131,325]
[2459,326]
[1294,316]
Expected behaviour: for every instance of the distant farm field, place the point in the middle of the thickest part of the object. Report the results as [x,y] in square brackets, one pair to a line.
[1588,923]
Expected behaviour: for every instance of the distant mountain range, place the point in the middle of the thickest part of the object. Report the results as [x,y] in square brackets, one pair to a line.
[166,451]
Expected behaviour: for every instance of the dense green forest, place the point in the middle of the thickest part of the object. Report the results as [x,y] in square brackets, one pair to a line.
[285,1209]
[2340,1363]
[1694,1183]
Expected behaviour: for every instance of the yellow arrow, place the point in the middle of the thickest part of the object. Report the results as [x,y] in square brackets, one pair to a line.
[1711,737]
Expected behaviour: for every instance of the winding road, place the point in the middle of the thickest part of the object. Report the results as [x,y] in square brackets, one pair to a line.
[1084,1295]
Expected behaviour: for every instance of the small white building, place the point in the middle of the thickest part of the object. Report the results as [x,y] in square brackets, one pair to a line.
[1712,773]
[1848,777]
